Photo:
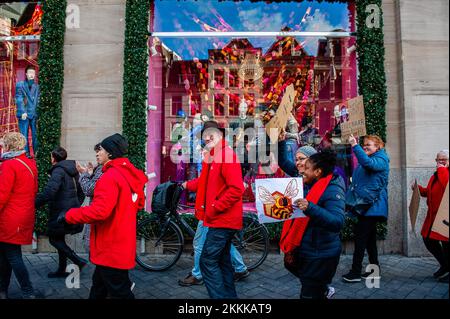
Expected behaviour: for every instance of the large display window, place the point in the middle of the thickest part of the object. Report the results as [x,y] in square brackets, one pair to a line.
[20,29]
[232,62]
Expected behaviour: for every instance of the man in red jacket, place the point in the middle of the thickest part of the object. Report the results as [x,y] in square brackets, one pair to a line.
[18,188]
[436,244]
[118,195]
[219,204]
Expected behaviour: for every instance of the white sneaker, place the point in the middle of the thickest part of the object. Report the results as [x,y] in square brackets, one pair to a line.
[330,292]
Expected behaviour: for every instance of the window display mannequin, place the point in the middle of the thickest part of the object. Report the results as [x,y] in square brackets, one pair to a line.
[27,99]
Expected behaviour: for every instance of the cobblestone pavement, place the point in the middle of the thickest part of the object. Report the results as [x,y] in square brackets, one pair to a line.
[402,278]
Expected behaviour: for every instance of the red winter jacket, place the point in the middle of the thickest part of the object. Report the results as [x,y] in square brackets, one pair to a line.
[219,189]
[434,192]
[18,188]
[112,214]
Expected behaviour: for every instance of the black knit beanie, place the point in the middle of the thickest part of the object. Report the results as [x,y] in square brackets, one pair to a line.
[116,145]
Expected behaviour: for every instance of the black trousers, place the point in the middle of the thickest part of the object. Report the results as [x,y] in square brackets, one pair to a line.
[64,251]
[315,276]
[365,238]
[439,249]
[110,283]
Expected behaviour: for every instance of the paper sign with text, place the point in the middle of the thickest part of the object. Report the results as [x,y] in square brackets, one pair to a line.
[356,123]
[279,121]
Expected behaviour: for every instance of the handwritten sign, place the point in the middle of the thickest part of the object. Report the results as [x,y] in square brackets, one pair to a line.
[356,124]
[275,198]
[440,224]
[414,206]
[279,121]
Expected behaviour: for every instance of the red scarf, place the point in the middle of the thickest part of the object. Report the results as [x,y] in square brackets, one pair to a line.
[293,229]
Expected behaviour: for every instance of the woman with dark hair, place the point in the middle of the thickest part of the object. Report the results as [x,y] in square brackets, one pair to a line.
[312,246]
[62,192]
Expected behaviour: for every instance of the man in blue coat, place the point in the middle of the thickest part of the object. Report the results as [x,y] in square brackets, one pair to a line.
[27,99]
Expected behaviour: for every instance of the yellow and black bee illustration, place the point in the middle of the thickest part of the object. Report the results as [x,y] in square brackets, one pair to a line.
[278,205]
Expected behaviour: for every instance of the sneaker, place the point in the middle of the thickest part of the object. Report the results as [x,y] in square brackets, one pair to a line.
[58,274]
[368,274]
[351,277]
[190,281]
[444,279]
[441,273]
[330,292]
[29,296]
[241,275]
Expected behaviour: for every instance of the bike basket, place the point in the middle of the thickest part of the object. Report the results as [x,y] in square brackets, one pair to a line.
[166,198]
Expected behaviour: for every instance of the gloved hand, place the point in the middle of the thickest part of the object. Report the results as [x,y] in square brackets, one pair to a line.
[62,218]
[24,116]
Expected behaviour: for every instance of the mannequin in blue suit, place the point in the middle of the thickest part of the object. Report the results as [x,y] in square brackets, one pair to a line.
[27,99]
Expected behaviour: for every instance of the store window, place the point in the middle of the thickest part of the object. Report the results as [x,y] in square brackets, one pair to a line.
[20,29]
[243,55]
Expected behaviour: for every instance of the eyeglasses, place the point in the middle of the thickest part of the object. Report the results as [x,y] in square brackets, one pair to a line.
[441,160]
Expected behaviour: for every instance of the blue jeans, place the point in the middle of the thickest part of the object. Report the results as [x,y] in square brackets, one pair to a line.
[11,260]
[199,241]
[215,264]
[23,128]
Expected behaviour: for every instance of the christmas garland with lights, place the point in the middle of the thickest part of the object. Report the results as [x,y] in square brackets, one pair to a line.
[51,82]
[135,80]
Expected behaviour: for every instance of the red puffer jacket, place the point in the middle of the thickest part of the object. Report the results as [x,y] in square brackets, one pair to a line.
[118,195]
[219,189]
[434,192]
[18,188]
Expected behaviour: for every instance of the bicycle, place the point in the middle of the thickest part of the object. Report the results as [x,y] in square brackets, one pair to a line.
[160,240]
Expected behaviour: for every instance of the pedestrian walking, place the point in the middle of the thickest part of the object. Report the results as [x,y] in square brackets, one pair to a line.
[62,192]
[219,205]
[18,188]
[88,178]
[312,246]
[118,195]
[436,244]
[367,199]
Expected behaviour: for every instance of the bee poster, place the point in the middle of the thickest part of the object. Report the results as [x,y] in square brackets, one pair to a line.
[275,198]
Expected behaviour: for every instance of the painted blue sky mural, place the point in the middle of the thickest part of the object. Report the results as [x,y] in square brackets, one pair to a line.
[210,15]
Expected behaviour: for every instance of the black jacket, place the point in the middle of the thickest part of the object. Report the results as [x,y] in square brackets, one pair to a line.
[62,192]
[321,238]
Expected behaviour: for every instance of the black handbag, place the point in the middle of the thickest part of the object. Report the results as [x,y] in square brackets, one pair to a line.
[356,204]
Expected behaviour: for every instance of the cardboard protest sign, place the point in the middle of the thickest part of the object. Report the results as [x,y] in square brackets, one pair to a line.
[414,206]
[356,123]
[279,121]
[275,198]
[440,224]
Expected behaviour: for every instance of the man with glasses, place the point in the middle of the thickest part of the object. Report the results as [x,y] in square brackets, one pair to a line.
[436,244]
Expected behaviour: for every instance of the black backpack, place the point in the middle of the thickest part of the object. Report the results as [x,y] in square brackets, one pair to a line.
[166,197]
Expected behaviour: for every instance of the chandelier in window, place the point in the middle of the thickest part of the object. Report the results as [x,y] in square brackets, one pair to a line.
[251,68]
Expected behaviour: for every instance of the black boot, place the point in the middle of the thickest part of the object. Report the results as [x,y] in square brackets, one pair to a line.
[62,265]
[77,260]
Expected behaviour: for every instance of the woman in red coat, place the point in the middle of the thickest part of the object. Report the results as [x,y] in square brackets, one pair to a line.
[436,243]
[18,187]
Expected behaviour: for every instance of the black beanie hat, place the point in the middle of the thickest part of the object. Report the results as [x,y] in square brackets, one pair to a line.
[116,145]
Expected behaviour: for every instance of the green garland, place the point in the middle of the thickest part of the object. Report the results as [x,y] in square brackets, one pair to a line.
[51,81]
[135,80]
[372,79]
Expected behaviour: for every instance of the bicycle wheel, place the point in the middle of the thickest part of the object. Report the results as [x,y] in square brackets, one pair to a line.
[252,242]
[157,251]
